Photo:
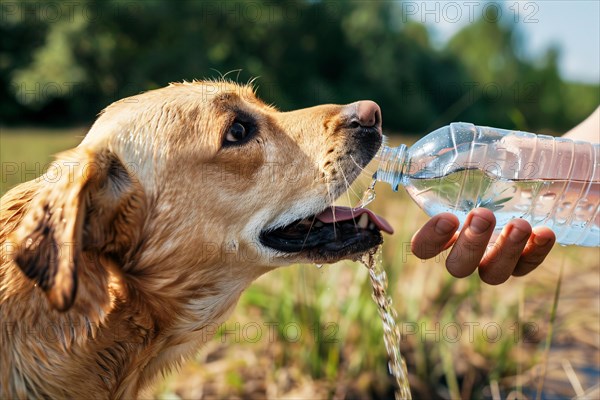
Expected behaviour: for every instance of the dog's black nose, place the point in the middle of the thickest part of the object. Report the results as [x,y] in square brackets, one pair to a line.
[368,113]
[365,113]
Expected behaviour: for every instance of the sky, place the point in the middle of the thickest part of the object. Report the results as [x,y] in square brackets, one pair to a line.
[572,25]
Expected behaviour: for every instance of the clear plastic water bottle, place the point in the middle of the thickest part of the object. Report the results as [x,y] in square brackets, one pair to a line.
[547,181]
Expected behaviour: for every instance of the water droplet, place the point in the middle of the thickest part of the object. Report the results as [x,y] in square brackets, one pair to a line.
[368,195]
[319,266]
[549,196]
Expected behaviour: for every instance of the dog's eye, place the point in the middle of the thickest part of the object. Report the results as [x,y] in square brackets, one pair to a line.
[237,132]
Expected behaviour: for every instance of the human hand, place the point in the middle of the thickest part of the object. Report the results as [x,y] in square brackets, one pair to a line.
[517,251]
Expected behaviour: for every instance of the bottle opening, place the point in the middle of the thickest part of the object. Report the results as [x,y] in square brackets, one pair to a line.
[391,165]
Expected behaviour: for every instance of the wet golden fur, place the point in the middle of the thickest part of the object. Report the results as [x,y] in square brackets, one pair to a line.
[119,261]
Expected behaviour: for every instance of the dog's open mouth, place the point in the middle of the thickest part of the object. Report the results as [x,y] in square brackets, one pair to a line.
[336,233]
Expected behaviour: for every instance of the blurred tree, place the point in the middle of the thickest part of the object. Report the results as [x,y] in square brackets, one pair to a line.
[61,62]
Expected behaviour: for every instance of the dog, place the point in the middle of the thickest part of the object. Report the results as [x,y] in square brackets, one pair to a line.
[118,259]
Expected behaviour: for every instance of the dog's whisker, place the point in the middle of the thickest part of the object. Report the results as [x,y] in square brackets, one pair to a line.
[362,169]
[237,78]
[312,223]
[348,189]
[355,163]
[331,200]
[251,80]
[348,186]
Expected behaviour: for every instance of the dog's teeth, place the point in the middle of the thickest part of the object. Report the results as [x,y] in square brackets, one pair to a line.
[371,226]
[318,224]
[304,223]
[363,221]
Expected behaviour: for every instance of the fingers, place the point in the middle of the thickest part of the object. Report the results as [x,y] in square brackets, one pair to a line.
[537,248]
[471,244]
[435,236]
[517,251]
[499,261]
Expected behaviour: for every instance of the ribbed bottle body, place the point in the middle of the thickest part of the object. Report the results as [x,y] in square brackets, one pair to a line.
[547,181]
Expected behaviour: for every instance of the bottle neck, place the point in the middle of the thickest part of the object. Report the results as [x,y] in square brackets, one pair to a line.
[391,164]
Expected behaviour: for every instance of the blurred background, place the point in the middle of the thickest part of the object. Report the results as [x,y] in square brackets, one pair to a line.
[304,332]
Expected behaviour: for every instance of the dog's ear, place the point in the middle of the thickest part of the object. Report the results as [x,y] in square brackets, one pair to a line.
[77,207]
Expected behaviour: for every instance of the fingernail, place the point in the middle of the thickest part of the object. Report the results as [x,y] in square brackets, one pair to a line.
[517,235]
[479,225]
[540,241]
[444,227]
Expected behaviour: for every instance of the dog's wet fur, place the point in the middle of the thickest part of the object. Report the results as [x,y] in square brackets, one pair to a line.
[116,262]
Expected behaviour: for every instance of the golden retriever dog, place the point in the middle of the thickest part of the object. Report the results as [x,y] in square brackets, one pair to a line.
[116,261]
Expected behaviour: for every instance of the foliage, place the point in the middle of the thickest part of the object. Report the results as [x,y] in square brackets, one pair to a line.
[61,62]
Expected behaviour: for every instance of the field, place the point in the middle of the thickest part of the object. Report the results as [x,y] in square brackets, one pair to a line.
[308,332]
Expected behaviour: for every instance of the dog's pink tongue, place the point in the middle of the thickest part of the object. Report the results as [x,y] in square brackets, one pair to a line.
[337,214]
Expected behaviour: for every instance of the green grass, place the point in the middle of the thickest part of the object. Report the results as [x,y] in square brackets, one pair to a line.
[25,153]
[304,332]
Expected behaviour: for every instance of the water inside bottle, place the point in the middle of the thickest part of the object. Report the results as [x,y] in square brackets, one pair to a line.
[570,208]
[391,332]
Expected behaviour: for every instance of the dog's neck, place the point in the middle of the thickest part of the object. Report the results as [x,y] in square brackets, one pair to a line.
[131,319]
[131,334]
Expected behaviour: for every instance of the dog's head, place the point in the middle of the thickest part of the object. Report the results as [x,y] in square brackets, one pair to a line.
[198,178]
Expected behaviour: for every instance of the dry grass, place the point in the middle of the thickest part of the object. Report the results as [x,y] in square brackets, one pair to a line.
[303,332]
